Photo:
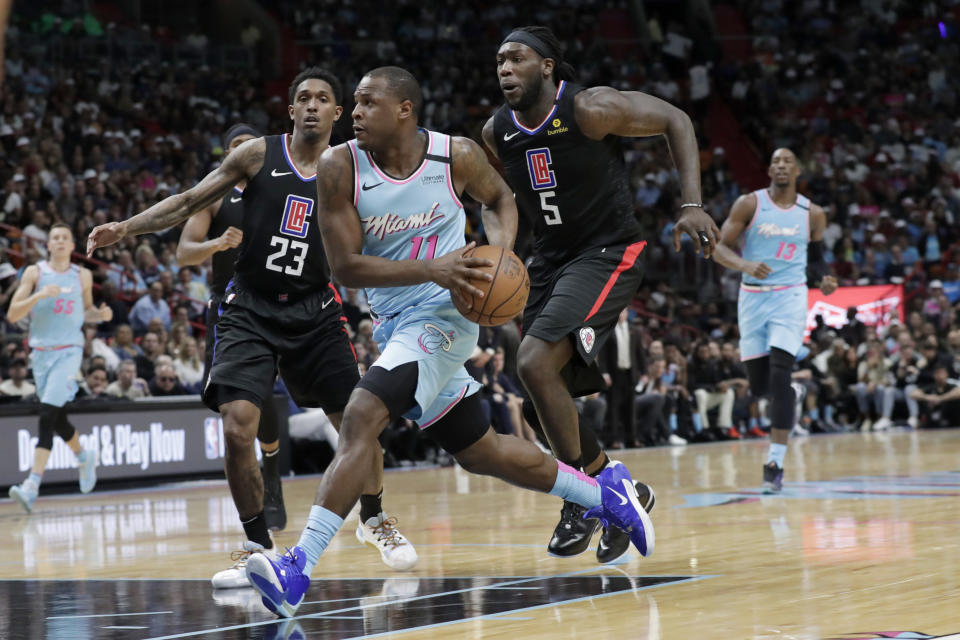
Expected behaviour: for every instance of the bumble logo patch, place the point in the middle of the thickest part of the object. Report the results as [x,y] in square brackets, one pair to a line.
[558,127]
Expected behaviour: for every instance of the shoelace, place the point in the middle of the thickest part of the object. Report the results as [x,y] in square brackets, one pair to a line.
[239,558]
[387,532]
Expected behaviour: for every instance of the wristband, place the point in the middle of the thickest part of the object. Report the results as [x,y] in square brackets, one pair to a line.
[698,205]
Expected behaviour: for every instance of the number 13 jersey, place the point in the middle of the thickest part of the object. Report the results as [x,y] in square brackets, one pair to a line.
[574,190]
[281,257]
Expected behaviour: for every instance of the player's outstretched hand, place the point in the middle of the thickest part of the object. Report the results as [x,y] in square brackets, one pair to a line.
[230,239]
[828,284]
[697,223]
[454,271]
[105,235]
[758,270]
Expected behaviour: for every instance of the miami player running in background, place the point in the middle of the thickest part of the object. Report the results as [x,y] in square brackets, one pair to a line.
[782,234]
[58,296]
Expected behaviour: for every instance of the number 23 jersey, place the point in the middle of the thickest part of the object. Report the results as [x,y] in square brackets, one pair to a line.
[574,190]
[281,256]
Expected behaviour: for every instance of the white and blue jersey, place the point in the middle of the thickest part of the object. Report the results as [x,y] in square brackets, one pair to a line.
[778,237]
[417,217]
[56,335]
[773,312]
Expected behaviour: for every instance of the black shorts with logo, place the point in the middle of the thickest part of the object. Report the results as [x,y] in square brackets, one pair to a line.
[306,341]
[582,299]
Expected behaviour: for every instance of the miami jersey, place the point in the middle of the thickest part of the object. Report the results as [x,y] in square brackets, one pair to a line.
[778,237]
[418,217]
[58,321]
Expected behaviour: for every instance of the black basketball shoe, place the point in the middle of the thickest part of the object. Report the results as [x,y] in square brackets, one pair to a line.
[273,510]
[614,542]
[573,533]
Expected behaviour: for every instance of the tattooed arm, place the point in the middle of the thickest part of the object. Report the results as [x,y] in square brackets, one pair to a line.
[241,164]
[342,233]
[484,184]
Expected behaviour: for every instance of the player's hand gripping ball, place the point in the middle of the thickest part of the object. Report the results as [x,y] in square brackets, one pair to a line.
[505,295]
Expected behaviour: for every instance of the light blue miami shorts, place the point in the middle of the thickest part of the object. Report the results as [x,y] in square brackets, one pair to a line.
[440,341]
[771,316]
[55,373]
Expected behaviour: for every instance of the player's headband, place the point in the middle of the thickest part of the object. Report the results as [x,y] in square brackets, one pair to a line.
[240,130]
[535,43]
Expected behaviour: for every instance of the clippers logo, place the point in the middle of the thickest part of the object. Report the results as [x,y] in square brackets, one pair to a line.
[541,175]
[434,338]
[587,338]
[296,214]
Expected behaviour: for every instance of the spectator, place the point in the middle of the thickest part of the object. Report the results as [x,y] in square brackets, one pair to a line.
[166,383]
[94,384]
[126,278]
[188,365]
[620,362]
[649,406]
[128,385]
[871,385]
[108,295]
[709,389]
[16,384]
[905,371]
[940,400]
[146,361]
[123,344]
[149,307]
[854,332]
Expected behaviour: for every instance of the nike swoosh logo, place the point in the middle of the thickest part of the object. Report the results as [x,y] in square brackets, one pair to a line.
[623,498]
[507,136]
[236,199]
[367,187]
[327,303]
[275,174]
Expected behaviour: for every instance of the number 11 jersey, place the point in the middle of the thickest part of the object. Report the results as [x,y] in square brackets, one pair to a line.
[281,257]
[573,189]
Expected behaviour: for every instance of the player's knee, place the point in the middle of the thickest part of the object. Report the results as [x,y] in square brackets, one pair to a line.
[481,457]
[533,365]
[363,419]
[47,425]
[240,423]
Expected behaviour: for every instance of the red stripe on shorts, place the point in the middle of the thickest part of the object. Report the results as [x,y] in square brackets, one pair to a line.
[629,258]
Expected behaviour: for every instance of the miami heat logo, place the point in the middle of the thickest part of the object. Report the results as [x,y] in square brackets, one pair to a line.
[434,338]
[296,216]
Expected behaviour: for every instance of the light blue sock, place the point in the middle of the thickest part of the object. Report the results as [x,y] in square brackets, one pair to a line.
[575,486]
[36,477]
[82,456]
[777,453]
[673,422]
[753,423]
[696,423]
[322,525]
[815,413]
[828,412]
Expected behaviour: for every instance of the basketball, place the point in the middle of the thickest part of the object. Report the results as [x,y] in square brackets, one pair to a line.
[504,296]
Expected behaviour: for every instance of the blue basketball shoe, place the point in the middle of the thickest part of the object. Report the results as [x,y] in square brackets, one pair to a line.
[282,583]
[88,470]
[621,507]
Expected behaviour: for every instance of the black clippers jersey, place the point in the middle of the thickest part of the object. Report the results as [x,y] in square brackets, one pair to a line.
[574,190]
[230,214]
[281,257]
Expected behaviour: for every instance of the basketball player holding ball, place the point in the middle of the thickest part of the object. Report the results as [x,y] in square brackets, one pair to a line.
[560,149]
[390,216]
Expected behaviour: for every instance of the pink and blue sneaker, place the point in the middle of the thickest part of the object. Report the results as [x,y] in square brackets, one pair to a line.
[620,506]
[281,583]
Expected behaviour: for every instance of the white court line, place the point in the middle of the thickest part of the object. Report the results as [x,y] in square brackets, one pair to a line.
[109,615]
[118,627]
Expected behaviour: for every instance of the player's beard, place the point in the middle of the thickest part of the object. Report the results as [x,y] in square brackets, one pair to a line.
[530,95]
[311,135]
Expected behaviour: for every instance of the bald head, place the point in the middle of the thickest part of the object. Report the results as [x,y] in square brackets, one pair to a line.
[401,84]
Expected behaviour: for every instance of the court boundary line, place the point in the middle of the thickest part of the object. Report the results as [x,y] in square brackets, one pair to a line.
[322,615]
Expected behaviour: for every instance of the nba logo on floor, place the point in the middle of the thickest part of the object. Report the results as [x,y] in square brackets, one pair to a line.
[295,214]
[211,438]
[541,175]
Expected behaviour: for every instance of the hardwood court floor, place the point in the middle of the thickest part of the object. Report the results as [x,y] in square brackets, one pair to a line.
[863,540]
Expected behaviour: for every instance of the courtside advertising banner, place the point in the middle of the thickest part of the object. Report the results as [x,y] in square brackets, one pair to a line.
[877,305]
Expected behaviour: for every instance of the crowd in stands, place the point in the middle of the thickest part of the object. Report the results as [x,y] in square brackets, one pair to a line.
[860,91]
